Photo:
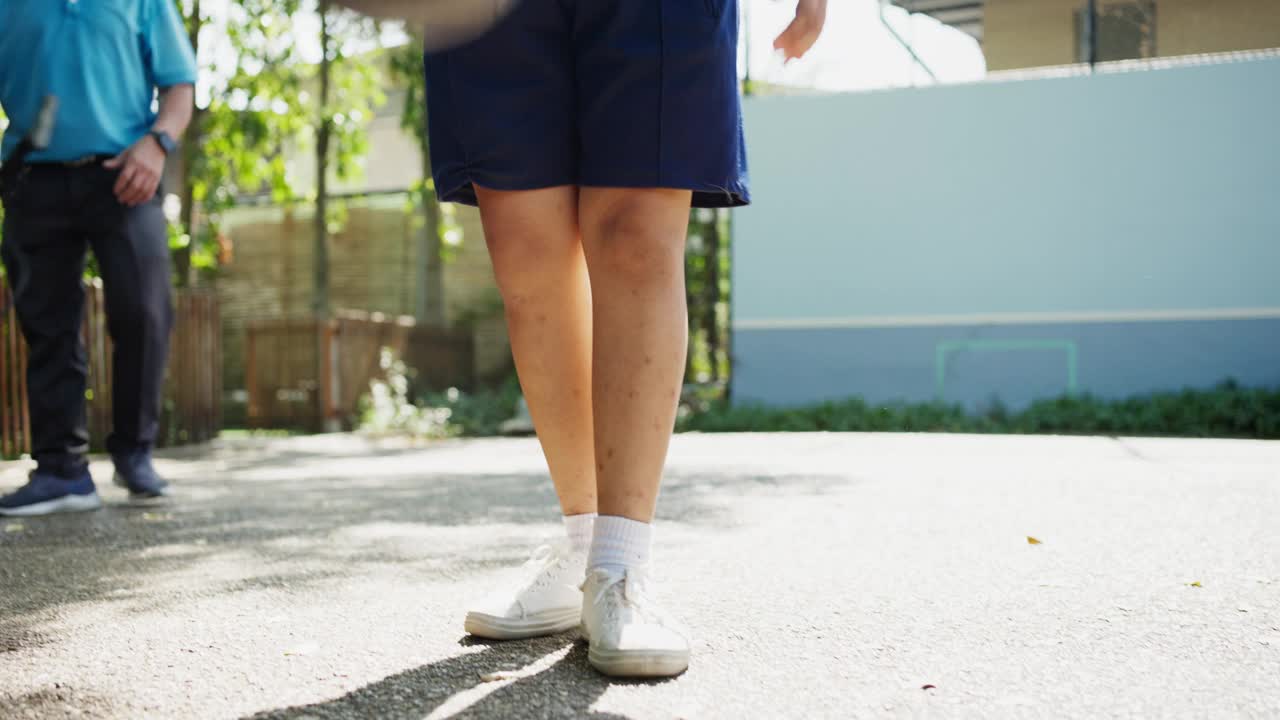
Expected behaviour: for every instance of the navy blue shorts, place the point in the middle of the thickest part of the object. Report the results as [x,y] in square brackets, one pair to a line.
[604,93]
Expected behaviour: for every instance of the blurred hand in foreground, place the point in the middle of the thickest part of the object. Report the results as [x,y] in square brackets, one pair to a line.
[803,32]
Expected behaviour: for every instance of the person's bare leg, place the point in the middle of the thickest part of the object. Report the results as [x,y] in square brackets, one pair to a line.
[537,258]
[634,243]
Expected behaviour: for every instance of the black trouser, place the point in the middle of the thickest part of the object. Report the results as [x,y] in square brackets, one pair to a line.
[53,214]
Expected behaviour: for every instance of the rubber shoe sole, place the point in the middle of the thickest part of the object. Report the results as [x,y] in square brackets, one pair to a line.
[548,622]
[64,504]
[142,498]
[638,663]
[635,663]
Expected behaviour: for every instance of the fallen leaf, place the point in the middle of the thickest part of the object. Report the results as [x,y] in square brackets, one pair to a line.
[929,687]
[1195,584]
[496,676]
[1033,541]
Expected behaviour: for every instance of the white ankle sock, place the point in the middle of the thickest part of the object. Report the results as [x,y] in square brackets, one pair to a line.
[619,543]
[578,527]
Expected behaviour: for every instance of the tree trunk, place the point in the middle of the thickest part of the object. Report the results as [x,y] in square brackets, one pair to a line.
[182,266]
[712,302]
[691,319]
[726,297]
[430,281]
[320,256]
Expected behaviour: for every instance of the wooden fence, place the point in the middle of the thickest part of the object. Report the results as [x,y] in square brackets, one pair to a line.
[192,406]
[287,359]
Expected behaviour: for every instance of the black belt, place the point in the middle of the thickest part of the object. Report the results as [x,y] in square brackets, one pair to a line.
[80,162]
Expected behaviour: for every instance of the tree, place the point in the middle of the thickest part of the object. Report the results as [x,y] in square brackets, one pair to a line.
[406,67]
[267,102]
[4,123]
[245,116]
[706,292]
[349,91]
[324,131]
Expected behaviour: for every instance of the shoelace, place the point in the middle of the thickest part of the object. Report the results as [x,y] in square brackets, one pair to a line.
[543,558]
[634,594]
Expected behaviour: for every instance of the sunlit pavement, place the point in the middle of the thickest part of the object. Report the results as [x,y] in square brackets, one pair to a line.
[822,576]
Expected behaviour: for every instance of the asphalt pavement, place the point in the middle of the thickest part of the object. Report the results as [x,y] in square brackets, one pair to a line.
[823,576]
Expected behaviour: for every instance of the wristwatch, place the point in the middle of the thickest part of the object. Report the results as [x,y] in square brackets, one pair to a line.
[166,142]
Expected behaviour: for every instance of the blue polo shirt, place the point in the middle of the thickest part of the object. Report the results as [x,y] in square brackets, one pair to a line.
[104,60]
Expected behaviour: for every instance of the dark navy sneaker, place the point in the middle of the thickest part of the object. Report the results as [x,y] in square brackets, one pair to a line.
[46,493]
[135,473]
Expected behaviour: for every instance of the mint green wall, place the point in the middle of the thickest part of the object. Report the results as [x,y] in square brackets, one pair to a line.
[1155,190]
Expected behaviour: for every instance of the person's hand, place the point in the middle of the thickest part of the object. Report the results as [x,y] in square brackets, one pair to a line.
[141,167]
[803,32]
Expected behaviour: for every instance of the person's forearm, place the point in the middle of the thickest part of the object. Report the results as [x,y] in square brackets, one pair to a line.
[176,105]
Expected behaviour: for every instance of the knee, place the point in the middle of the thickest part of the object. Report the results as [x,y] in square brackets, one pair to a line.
[632,243]
[530,267]
[526,254]
[531,235]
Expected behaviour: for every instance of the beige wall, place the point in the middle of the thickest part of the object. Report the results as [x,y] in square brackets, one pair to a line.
[1033,33]
[1029,33]
[1187,27]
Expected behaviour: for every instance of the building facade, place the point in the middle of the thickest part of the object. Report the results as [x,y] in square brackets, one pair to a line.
[1113,234]
[1018,34]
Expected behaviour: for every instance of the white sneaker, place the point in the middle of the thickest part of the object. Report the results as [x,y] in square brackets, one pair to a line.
[546,599]
[628,635]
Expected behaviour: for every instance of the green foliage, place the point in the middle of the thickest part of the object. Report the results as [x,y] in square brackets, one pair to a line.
[389,409]
[355,90]
[478,414]
[487,305]
[442,233]
[252,106]
[261,102]
[405,64]
[1225,411]
[707,295]
[4,123]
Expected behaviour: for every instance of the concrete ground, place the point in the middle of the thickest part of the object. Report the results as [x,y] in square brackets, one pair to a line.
[824,576]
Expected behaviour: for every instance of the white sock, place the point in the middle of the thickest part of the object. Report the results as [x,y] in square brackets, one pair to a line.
[578,528]
[619,543]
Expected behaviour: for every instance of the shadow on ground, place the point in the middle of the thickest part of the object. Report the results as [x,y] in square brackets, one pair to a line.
[285,519]
[463,686]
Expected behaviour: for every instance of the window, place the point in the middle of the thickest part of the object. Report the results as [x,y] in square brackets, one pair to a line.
[1125,30]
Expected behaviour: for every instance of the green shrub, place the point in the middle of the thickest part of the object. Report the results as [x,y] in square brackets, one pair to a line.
[476,414]
[1225,411]
[387,408]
